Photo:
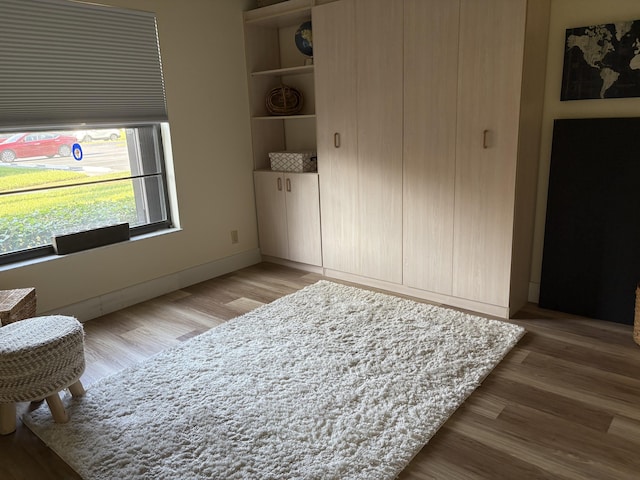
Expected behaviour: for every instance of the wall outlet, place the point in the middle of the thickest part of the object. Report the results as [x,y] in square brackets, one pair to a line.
[234,236]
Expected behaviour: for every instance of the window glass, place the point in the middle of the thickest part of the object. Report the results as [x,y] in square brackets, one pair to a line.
[54,183]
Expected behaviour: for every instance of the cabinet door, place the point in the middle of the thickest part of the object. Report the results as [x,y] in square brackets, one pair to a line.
[358,56]
[334,56]
[430,94]
[271,212]
[489,87]
[303,217]
[379,27]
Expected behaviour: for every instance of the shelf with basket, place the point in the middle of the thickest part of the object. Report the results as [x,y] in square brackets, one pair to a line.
[281,80]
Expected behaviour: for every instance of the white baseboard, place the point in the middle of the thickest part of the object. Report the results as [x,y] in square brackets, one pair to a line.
[437,298]
[113,301]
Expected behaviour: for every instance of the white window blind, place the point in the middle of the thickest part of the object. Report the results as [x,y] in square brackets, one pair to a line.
[64,62]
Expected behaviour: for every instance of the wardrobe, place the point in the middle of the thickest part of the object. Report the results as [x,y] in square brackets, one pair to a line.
[428,118]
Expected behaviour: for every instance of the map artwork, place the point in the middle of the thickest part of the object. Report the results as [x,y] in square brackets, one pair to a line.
[602,61]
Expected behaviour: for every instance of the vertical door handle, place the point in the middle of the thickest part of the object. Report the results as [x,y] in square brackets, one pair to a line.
[279,184]
[288,184]
[336,140]
[485,139]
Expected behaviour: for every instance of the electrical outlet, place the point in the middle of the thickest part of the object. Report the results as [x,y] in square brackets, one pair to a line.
[234,236]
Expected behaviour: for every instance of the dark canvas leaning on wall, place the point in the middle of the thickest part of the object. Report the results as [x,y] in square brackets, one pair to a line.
[591,259]
[602,61]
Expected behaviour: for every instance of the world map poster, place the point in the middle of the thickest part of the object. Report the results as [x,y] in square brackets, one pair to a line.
[602,61]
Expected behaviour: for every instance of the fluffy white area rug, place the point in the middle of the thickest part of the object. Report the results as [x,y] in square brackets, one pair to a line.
[331,382]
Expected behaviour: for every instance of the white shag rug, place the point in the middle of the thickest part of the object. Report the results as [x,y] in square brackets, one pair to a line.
[330,382]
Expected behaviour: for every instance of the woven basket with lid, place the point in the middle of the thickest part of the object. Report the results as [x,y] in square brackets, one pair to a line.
[17,304]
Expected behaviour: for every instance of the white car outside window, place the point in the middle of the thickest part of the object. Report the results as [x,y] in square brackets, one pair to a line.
[98,134]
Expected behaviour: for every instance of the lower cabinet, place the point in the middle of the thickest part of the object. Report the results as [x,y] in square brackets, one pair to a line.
[288,208]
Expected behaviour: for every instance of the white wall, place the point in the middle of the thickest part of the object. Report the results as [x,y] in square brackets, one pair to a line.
[202,48]
[570,14]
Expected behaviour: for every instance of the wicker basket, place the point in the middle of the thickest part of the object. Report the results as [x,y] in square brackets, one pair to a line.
[284,100]
[636,322]
[17,305]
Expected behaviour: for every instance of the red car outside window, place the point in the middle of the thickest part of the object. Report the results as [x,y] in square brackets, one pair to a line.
[23,145]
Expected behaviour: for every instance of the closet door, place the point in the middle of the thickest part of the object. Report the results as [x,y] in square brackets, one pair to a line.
[334,52]
[489,88]
[303,217]
[379,24]
[430,99]
[271,211]
[358,56]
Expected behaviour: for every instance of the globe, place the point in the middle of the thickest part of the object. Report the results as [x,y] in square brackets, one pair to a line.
[303,39]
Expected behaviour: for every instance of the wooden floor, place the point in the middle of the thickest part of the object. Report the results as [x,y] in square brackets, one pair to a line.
[564,404]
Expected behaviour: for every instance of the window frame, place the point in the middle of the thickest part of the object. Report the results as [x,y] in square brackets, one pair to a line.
[151,152]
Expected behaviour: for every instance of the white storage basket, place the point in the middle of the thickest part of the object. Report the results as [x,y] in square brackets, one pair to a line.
[294,161]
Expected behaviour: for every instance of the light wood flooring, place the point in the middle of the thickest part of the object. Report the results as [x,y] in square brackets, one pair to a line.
[564,404]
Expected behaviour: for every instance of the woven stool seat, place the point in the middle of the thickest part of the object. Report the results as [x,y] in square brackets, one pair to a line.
[39,357]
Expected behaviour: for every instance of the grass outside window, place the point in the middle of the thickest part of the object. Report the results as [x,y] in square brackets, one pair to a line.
[65,204]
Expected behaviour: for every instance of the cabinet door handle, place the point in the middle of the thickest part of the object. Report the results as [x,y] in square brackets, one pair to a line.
[279,184]
[288,184]
[336,140]
[485,139]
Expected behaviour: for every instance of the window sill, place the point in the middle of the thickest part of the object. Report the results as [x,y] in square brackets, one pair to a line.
[49,258]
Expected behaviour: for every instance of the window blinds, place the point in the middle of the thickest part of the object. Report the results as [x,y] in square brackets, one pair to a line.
[64,62]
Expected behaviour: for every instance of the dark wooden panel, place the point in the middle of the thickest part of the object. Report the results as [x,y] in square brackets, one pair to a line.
[591,260]
[97,237]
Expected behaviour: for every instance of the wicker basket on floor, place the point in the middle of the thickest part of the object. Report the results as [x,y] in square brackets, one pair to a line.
[636,322]
[17,304]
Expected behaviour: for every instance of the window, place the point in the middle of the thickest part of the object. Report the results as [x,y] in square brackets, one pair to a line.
[82,111]
[51,184]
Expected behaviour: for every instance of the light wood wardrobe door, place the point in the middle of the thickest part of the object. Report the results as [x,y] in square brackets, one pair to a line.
[379,26]
[358,58]
[334,52]
[489,81]
[430,99]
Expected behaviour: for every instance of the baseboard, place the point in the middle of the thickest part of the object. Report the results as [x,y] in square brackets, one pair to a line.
[436,298]
[114,301]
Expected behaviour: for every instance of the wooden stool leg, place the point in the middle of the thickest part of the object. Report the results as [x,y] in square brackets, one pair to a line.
[57,409]
[7,418]
[77,390]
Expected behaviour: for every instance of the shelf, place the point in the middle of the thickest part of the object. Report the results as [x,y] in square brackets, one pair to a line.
[278,72]
[280,14]
[284,117]
[283,171]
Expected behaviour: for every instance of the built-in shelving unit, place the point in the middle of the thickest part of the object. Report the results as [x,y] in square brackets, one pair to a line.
[287,203]
[273,60]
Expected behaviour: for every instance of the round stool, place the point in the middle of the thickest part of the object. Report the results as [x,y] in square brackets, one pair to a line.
[39,357]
